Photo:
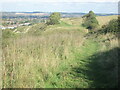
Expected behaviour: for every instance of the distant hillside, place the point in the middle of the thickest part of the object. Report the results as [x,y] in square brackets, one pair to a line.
[44,14]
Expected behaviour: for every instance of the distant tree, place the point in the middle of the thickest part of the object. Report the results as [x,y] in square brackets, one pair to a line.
[54,18]
[90,14]
[90,21]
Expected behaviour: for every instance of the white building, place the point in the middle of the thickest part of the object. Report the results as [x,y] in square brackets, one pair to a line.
[11,27]
[26,24]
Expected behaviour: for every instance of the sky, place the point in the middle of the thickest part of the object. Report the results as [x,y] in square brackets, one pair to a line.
[80,6]
[59,0]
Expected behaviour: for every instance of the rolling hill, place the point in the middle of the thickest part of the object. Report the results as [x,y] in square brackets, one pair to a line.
[60,56]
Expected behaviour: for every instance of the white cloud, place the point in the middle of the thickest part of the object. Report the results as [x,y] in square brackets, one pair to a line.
[59,1]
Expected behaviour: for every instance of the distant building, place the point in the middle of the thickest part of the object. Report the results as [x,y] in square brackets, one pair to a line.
[11,27]
[20,24]
[14,26]
[3,28]
[26,24]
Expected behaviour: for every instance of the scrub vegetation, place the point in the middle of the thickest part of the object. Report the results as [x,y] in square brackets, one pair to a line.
[62,54]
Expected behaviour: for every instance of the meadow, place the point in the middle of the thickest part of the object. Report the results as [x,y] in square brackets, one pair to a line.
[60,56]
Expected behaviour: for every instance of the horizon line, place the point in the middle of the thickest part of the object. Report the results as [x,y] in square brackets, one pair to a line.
[52,12]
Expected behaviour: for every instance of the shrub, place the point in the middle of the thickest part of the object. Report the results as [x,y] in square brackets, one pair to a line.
[54,18]
[37,29]
[90,21]
[111,27]
[7,34]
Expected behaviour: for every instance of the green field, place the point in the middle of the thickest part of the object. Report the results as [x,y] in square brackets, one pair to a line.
[60,56]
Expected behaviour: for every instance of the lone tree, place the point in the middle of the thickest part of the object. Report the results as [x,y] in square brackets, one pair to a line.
[90,21]
[54,18]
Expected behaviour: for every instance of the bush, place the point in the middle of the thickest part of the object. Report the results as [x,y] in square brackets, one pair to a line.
[54,18]
[7,34]
[37,29]
[111,27]
[90,21]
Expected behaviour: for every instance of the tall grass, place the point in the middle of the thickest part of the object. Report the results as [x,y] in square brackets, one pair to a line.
[57,57]
[103,20]
[33,61]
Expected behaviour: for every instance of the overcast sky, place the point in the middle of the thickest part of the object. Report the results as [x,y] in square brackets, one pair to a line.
[98,6]
[59,0]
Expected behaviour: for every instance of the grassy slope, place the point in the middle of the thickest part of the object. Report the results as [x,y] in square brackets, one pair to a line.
[105,19]
[58,58]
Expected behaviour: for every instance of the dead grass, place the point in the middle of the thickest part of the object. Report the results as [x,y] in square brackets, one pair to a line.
[31,60]
[40,61]
[103,20]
